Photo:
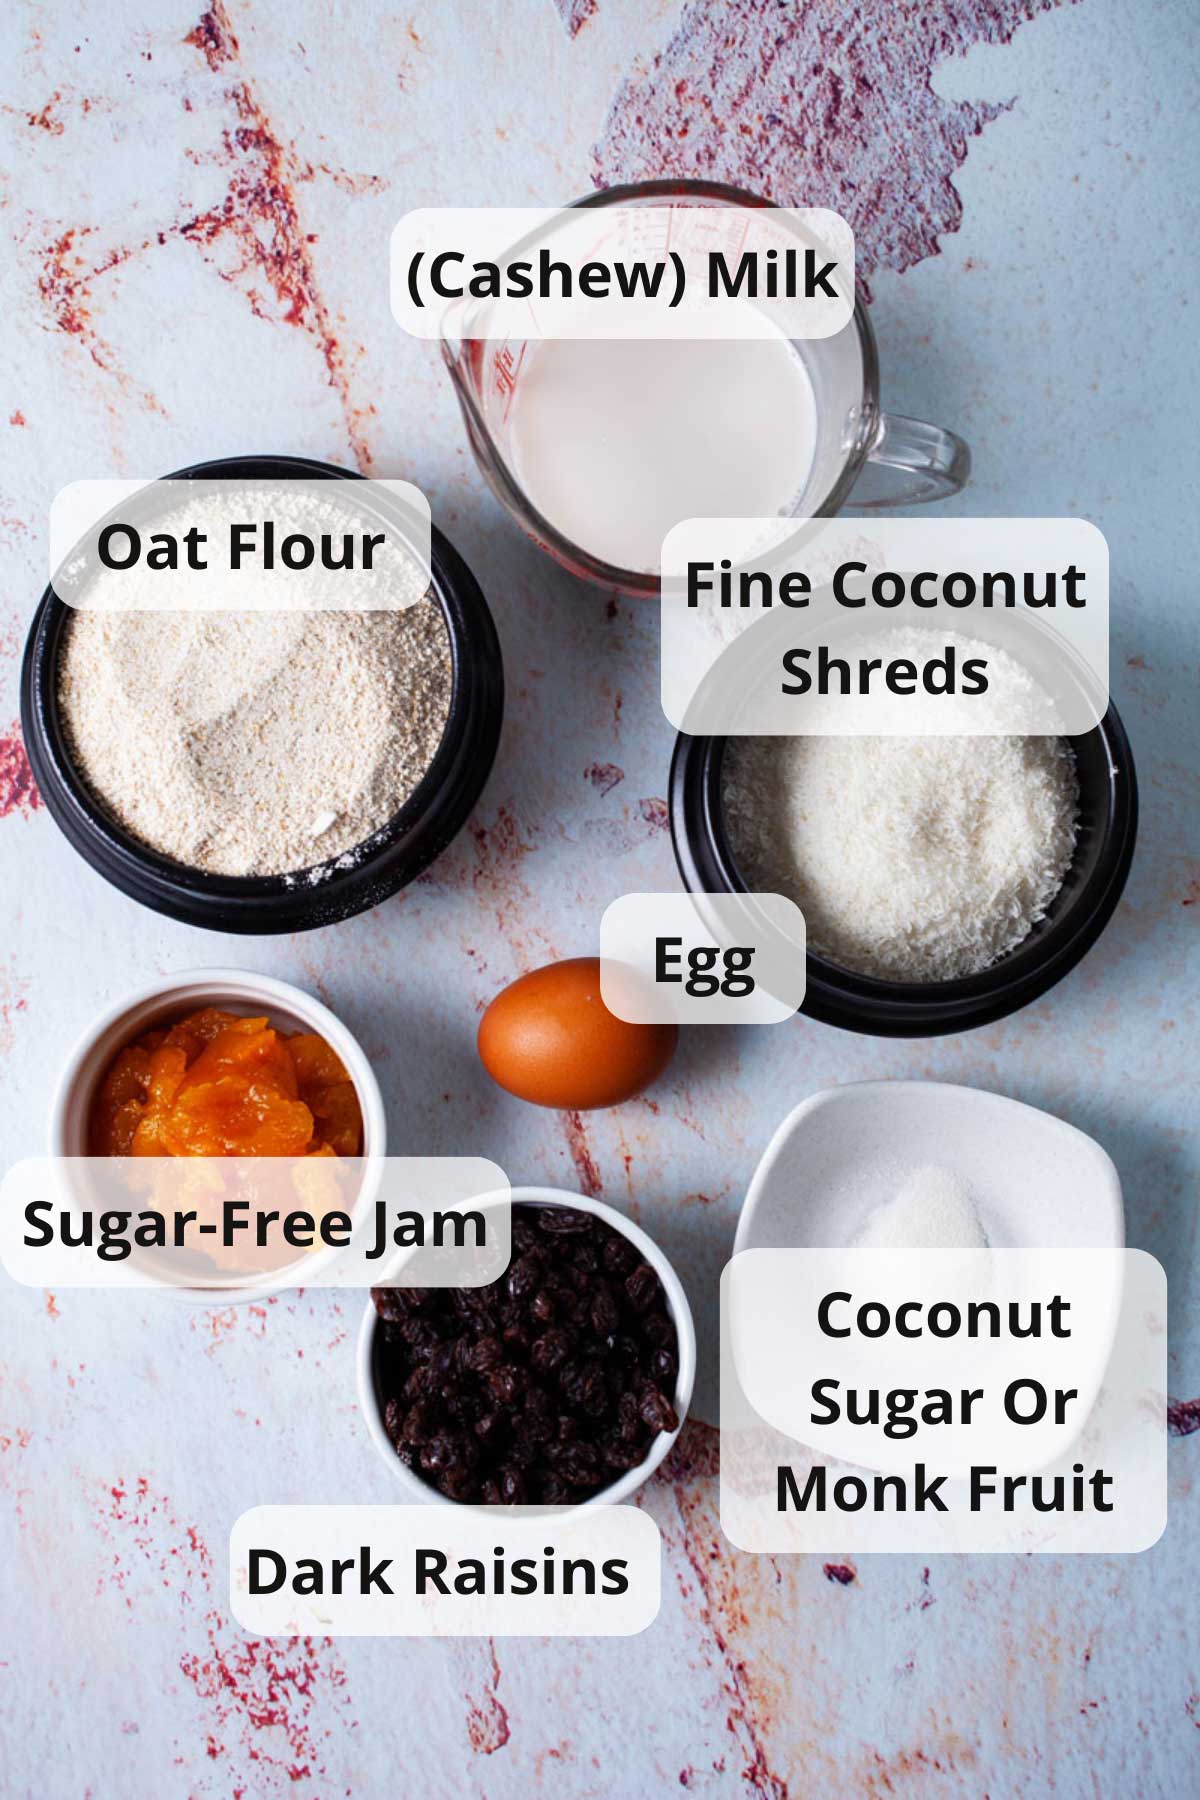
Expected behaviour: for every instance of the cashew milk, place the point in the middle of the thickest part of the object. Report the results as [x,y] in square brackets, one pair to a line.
[616,440]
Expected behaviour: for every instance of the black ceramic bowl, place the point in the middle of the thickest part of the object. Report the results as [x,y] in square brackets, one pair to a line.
[1078,914]
[431,816]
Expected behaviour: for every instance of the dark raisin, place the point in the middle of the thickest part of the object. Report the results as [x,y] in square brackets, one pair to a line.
[594,1399]
[420,1422]
[461,1485]
[572,1378]
[389,1303]
[629,1416]
[574,1315]
[542,1305]
[563,1221]
[617,1254]
[513,1487]
[524,1231]
[580,1465]
[537,1425]
[419,1383]
[524,1276]
[656,1410]
[566,1429]
[490,1425]
[664,1366]
[421,1335]
[506,1383]
[641,1287]
[549,1350]
[585,1258]
[438,1454]
[605,1315]
[486,1354]
[619,1455]
[658,1331]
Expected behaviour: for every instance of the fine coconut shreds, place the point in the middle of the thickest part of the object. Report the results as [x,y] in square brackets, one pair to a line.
[913,859]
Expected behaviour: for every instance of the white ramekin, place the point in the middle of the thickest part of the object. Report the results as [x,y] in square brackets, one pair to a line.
[415,1489]
[232,990]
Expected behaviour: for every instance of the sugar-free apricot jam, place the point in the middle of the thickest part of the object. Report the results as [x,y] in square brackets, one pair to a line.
[218,1085]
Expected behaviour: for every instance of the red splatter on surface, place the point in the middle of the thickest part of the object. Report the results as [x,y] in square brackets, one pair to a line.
[225,1322]
[845,1574]
[575,14]
[604,776]
[264,1697]
[214,37]
[45,120]
[487,1719]
[654,812]
[64,284]
[1183,1417]
[499,847]
[18,789]
[691,1469]
[16,418]
[255,235]
[816,106]
[52,1311]
[587,1172]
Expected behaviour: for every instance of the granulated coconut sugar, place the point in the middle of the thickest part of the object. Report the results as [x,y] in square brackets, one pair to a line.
[933,1209]
[255,743]
[913,859]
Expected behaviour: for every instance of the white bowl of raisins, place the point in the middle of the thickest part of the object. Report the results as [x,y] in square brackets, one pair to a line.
[564,1383]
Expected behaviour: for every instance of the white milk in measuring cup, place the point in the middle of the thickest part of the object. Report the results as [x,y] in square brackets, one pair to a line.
[599,444]
[615,441]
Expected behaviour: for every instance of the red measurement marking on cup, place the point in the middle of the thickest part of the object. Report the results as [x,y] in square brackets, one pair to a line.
[505,370]
[812,109]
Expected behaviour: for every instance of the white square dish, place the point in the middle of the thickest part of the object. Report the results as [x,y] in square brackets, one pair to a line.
[846,1150]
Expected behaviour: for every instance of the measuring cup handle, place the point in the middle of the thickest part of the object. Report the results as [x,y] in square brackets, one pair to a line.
[911,461]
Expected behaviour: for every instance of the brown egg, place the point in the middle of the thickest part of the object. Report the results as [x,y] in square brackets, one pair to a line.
[550,1039]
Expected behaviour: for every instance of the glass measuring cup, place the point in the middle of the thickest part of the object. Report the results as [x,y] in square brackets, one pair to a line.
[886,459]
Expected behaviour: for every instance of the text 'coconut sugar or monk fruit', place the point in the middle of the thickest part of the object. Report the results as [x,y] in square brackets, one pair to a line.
[215,1084]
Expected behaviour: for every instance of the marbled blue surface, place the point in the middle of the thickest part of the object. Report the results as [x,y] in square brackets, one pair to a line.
[169,204]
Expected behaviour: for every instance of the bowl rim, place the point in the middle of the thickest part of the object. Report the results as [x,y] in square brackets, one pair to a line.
[192,984]
[839,1092]
[681,1313]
